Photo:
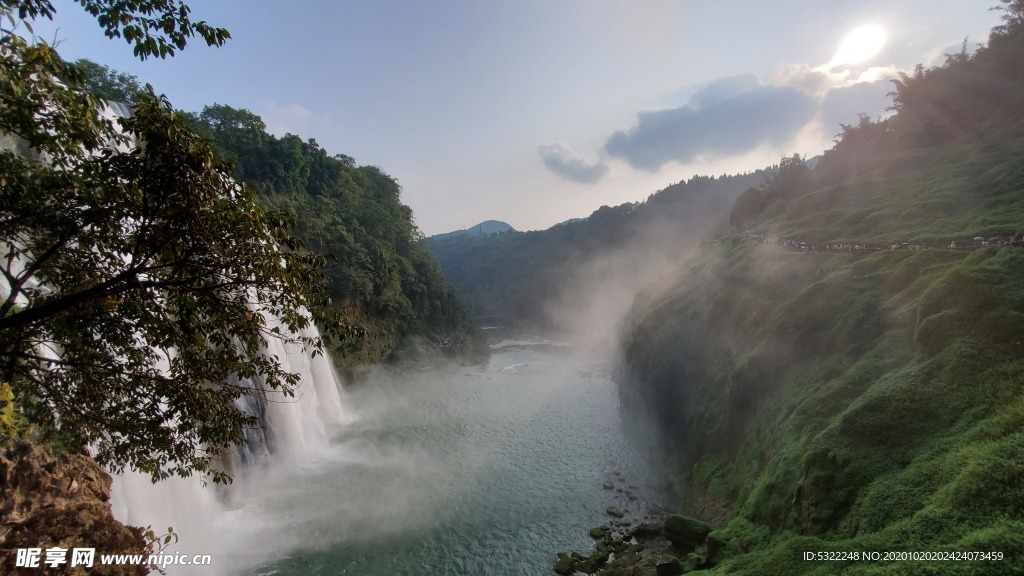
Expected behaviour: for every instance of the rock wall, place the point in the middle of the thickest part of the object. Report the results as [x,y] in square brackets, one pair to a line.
[48,501]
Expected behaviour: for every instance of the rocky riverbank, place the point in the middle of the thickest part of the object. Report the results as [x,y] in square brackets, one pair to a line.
[662,545]
[59,502]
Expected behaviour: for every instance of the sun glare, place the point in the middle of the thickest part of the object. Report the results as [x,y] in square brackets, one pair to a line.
[859,45]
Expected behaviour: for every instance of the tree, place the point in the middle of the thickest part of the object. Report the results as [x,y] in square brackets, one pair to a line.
[1013,18]
[153,27]
[110,85]
[790,175]
[140,281]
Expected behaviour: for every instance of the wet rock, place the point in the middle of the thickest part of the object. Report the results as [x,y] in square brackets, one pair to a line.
[564,564]
[692,562]
[668,566]
[608,485]
[600,532]
[646,530]
[595,561]
[716,551]
[613,511]
[685,533]
[618,545]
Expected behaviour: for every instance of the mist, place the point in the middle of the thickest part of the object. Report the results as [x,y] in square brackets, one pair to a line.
[459,469]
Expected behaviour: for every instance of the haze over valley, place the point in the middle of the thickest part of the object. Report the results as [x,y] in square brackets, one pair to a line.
[517,288]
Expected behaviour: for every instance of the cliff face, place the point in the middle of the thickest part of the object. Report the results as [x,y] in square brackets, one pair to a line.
[846,371]
[809,400]
[63,502]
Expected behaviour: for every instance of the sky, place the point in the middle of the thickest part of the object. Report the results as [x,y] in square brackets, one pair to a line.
[538,111]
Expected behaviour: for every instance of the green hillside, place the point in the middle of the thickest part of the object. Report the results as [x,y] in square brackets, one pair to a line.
[833,376]
[517,277]
[386,289]
[383,280]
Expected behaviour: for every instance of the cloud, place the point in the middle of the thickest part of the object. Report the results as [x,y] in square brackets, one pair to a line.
[728,117]
[800,105]
[285,118]
[841,94]
[818,81]
[571,166]
[722,90]
[813,81]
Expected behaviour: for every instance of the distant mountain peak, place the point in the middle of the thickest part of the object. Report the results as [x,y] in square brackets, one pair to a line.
[484,228]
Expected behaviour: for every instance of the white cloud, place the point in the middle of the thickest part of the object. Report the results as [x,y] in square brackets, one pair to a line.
[734,124]
[562,161]
[286,118]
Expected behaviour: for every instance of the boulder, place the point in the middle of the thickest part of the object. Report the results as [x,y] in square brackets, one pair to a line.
[613,511]
[600,532]
[716,551]
[608,485]
[668,566]
[692,562]
[646,530]
[585,564]
[564,564]
[685,533]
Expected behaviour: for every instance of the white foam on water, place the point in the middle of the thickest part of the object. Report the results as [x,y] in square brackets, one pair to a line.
[202,514]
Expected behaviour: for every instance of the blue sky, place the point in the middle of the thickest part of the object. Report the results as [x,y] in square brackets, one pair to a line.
[537,111]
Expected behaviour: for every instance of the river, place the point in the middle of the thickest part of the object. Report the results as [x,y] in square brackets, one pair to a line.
[486,470]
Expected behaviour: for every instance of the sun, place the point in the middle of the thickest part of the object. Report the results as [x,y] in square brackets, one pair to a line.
[859,45]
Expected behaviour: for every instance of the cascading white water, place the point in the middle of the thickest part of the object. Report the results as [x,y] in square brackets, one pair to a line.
[295,431]
[298,426]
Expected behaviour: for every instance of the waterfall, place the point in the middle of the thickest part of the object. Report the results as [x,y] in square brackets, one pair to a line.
[292,432]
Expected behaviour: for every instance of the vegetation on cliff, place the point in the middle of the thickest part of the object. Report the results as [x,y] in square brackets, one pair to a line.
[124,239]
[386,288]
[142,280]
[385,285]
[518,277]
[855,400]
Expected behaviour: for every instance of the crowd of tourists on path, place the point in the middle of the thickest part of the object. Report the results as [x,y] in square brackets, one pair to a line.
[1016,239]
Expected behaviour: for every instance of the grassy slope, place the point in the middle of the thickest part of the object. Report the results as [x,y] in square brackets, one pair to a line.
[954,191]
[823,401]
[831,402]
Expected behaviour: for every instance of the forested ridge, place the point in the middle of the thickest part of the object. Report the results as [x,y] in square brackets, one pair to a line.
[813,403]
[150,255]
[837,400]
[383,282]
[518,278]
[382,278]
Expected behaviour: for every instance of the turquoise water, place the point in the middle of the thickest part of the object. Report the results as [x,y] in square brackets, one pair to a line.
[458,471]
